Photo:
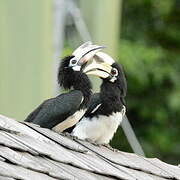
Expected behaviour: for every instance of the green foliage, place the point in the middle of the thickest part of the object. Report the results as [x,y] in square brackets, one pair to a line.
[150,53]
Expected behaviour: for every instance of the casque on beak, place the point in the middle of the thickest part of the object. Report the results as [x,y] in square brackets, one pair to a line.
[85,52]
[100,66]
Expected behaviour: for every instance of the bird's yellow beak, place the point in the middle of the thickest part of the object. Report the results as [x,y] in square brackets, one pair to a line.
[100,69]
[100,66]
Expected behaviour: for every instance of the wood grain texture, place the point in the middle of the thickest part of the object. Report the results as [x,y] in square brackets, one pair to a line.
[12,143]
[13,125]
[18,172]
[128,160]
[60,139]
[6,178]
[38,153]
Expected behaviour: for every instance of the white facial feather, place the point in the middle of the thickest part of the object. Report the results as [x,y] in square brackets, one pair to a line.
[76,68]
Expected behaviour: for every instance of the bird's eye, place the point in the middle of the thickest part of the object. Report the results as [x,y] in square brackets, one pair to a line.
[73,61]
[114,72]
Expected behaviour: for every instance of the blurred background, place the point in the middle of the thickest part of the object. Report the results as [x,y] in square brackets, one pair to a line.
[142,35]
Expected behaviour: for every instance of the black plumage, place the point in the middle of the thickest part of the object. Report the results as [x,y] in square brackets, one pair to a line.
[105,109]
[55,110]
[111,96]
[68,78]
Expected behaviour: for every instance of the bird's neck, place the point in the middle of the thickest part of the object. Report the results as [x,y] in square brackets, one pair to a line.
[82,83]
[111,97]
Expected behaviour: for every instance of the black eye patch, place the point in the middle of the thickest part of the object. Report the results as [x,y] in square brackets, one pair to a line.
[74,61]
[114,71]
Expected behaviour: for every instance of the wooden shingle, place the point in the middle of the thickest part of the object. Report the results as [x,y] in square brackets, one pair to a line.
[30,152]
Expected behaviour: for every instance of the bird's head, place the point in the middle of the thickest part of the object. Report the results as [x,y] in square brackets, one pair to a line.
[107,69]
[71,67]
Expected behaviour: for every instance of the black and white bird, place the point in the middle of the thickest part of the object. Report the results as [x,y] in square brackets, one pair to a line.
[65,110]
[107,108]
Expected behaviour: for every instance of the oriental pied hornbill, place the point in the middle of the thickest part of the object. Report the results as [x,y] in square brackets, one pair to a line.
[65,110]
[107,108]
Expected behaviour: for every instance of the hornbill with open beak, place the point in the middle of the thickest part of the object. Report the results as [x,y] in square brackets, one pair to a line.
[107,108]
[65,110]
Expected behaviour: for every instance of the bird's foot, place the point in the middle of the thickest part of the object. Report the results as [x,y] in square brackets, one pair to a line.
[115,150]
[69,135]
[62,133]
[109,147]
[92,142]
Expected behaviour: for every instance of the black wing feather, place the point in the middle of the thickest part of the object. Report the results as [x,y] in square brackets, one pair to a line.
[95,100]
[53,111]
[93,103]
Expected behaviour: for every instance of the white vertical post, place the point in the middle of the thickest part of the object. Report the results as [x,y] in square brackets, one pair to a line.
[131,137]
[60,9]
[78,20]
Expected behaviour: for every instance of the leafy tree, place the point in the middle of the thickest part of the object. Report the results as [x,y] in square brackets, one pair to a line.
[150,53]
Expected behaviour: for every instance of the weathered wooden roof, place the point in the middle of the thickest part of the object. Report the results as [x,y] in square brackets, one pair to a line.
[30,152]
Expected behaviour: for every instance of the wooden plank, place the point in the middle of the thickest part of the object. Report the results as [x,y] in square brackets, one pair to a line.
[53,151]
[84,155]
[126,159]
[71,171]
[88,161]
[18,172]
[8,130]
[171,169]
[2,159]
[35,163]
[22,159]
[81,174]
[13,125]
[12,143]
[59,138]
[100,166]
[41,147]
[6,178]
[40,164]
[67,171]
[54,170]
[136,174]
[140,174]
[144,176]
[144,165]
[157,177]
